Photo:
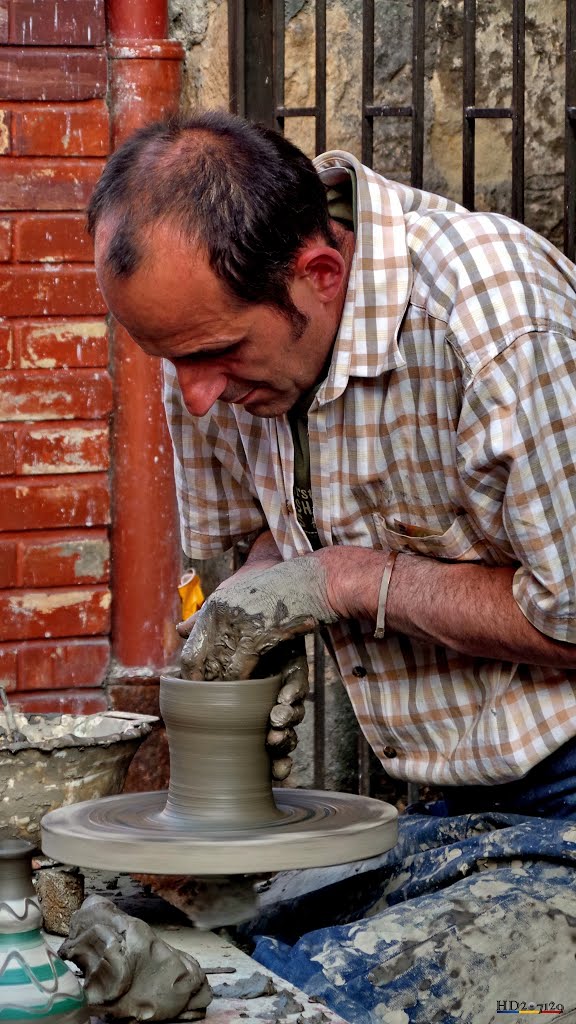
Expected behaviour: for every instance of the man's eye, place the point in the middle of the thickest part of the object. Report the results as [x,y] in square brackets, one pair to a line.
[206,354]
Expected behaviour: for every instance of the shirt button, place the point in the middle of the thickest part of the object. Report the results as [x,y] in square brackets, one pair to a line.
[390,752]
[359,671]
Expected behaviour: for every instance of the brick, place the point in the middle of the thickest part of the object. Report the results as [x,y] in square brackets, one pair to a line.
[27,183]
[52,74]
[76,611]
[150,768]
[62,394]
[63,702]
[60,557]
[8,667]
[45,344]
[64,449]
[81,129]
[68,22]
[8,563]
[6,346]
[54,502]
[59,290]
[8,464]
[51,238]
[5,131]
[5,239]
[55,666]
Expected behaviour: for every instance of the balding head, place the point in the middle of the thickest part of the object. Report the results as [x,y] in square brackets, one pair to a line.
[241,193]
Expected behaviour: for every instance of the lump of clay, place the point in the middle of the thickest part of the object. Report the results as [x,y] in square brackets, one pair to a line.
[128,971]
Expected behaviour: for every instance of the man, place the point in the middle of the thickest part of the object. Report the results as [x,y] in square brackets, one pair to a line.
[381,385]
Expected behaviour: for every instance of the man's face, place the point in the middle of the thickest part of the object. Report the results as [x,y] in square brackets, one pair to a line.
[174,306]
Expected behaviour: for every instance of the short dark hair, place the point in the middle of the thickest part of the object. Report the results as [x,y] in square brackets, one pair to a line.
[249,197]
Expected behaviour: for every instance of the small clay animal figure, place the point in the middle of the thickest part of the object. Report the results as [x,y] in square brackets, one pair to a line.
[130,972]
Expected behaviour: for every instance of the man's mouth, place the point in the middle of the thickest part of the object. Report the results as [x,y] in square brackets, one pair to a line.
[247,396]
[241,400]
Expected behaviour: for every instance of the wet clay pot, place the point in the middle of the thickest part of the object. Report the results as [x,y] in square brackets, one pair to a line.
[219,768]
[35,984]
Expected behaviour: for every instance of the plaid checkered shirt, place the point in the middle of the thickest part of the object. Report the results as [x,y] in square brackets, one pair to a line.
[446,426]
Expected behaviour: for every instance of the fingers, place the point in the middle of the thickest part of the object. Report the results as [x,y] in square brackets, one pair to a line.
[283,715]
[185,628]
[293,691]
[281,768]
[294,681]
[192,659]
[281,742]
[243,661]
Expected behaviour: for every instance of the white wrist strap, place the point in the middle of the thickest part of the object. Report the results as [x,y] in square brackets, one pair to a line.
[380,630]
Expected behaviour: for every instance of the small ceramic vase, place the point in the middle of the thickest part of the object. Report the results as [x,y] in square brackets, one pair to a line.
[36,986]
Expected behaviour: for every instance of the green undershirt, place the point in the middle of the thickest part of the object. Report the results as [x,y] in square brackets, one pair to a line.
[341,207]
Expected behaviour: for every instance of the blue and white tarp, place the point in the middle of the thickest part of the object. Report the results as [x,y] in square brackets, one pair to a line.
[468,920]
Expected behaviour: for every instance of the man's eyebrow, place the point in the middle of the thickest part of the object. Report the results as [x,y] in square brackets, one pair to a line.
[222,345]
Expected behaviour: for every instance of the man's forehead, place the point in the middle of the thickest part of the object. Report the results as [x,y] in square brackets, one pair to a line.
[172,290]
[154,240]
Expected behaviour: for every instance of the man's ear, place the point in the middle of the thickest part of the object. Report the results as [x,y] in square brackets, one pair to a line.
[323,268]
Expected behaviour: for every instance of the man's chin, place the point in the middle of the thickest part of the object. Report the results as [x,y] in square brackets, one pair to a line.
[268,408]
[267,403]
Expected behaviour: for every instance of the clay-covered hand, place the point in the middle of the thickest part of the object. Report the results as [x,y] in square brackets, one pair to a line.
[289,708]
[246,619]
[290,661]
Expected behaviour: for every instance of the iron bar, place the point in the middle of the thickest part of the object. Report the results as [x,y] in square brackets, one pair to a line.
[492,112]
[386,111]
[236,57]
[364,765]
[319,713]
[367,81]
[282,112]
[570,134]
[320,85]
[279,64]
[518,81]
[259,78]
[469,104]
[418,40]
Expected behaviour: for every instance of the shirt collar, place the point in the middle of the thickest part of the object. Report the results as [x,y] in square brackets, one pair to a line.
[380,278]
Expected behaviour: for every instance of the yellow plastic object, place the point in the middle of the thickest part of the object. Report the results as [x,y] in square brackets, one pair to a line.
[191,595]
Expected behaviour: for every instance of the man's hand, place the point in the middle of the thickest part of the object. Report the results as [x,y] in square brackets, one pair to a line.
[289,709]
[246,619]
[291,662]
[251,614]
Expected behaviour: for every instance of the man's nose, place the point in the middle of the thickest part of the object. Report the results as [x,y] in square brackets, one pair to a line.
[200,386]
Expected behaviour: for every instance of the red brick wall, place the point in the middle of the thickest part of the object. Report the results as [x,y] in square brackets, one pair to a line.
[55,390]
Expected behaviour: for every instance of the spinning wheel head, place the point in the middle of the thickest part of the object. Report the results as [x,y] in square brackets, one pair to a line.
[220,814]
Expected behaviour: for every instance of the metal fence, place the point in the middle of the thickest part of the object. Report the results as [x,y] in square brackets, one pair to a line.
[257,49]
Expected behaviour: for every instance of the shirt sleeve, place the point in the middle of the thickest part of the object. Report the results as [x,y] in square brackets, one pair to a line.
[517,445]
[217,502]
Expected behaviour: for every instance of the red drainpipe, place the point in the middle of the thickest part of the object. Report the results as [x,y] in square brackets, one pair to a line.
[145,84]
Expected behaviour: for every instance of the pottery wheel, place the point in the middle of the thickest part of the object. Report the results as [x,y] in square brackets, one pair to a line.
[131,832]
[220,814]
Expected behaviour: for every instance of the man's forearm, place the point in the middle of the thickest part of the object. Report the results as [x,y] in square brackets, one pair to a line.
[469,608]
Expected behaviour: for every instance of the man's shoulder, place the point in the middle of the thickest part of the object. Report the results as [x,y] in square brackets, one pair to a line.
[468,258]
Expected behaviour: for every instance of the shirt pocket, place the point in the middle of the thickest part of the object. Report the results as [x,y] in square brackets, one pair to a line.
[458,543]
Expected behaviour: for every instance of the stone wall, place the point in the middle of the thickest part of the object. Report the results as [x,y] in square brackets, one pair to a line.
[202,27]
